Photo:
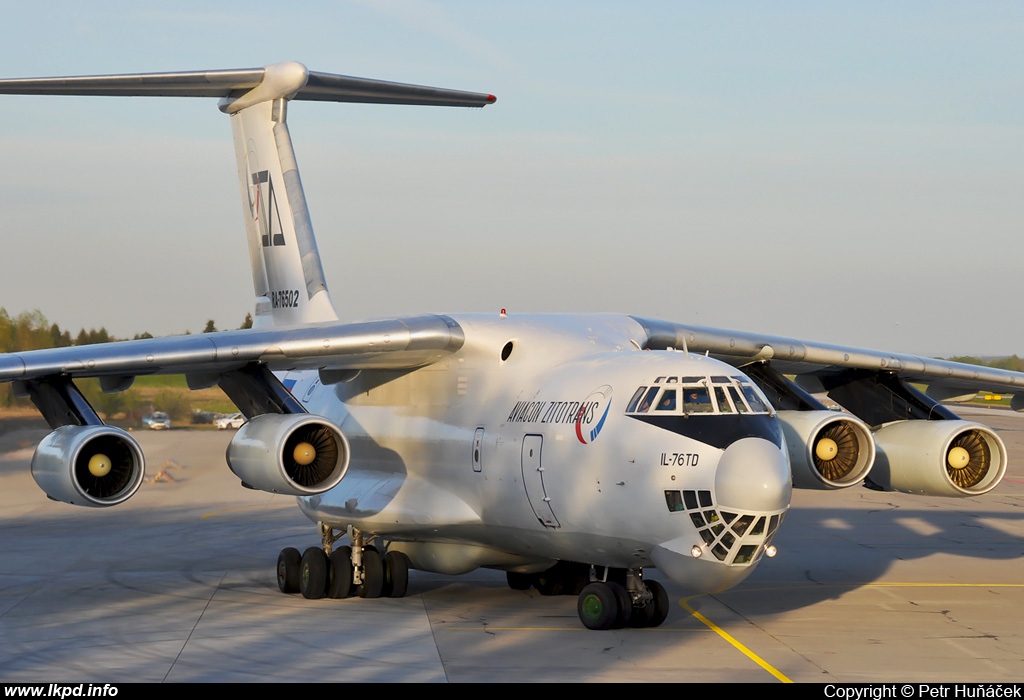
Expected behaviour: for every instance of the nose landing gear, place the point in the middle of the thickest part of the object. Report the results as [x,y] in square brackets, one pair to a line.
[608,604]
[609,598]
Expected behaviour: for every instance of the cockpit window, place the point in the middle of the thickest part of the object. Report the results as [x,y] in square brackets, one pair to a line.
[667,401]
[631,406]
[755,402]
[647,401]
[723,402]
[741,406]
[697,400]
[716,394]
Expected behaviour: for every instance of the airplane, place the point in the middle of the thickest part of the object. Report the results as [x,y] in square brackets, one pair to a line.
[571,451]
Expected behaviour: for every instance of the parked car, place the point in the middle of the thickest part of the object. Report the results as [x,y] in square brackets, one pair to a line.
[160,421]
[234,421]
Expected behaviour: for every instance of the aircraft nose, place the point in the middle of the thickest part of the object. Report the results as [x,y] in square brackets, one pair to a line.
[753,475]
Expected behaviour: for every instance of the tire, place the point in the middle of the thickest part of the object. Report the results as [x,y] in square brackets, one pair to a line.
[373,575]
[625,605]
[598,606]
[577,577]
[519,582]
[339,583]
[396,575]
[313,573]
[642,617]
[659,603]
[550,582]
[288,562]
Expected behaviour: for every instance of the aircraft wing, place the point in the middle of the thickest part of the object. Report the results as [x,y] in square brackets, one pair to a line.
[802,358]
[401,343]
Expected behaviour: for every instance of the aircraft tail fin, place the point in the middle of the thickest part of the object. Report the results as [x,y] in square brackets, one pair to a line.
[288,276]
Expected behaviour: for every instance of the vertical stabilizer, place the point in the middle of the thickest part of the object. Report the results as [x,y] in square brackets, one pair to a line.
[287,274]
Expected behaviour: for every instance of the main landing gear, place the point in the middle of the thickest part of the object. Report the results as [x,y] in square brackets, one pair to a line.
[608,598]
[358,569]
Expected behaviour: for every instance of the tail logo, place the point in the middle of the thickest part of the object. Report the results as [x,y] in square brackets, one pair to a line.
[264,210]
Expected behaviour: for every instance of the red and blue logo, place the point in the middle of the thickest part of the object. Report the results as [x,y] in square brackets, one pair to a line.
[591,405]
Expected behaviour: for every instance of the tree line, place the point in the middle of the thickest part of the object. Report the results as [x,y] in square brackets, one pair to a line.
[30,330]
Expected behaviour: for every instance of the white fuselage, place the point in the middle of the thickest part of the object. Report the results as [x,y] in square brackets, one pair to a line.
[529,445]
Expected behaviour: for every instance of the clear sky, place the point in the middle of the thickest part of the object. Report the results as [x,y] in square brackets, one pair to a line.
[845,172]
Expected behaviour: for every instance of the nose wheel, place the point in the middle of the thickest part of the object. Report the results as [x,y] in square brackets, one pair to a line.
[608,604]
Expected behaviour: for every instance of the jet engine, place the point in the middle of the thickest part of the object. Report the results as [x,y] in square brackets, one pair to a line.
[827,450]
[938,458]
[95,465]
[293,454]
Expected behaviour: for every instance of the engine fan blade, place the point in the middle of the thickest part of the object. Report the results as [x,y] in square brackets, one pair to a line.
[968,473]
[310,455]
[844,457]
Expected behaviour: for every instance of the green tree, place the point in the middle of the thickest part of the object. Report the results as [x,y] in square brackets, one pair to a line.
[210,327]
[59,339]
[247,323]
[173,403]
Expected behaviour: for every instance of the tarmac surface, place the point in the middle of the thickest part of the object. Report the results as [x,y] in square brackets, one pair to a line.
[178,584]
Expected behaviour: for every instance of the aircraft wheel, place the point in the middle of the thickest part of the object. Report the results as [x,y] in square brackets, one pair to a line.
[642,616]
[288,562]
[598,606]
[373,575]
[313,573]
[396,575]
[550,582]
[625,605]
[659,603]
[519,582]
[577,576]
[340,583]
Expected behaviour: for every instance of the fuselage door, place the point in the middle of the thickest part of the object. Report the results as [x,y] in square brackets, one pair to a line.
[533,480]
[478,445]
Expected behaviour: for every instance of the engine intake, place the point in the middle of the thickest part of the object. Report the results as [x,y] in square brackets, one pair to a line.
[96,466]
[292,454]
[827,450]
[938,458]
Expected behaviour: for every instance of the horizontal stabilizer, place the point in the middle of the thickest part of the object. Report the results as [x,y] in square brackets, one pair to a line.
[290,80]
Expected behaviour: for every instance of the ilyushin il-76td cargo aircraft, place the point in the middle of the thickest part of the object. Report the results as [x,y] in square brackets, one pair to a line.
[571,451]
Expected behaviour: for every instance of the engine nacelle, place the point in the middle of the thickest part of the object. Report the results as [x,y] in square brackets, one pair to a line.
[94,465]
[827,449]
[293,454]
[938,458]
